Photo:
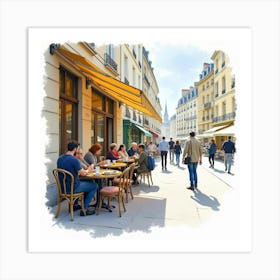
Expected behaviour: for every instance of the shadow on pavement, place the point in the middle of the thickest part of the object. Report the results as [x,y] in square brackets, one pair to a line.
[219,171]
[144,188]
[205,200]
[142,213]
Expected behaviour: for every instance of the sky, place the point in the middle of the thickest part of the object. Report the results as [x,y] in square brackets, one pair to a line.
[176,67]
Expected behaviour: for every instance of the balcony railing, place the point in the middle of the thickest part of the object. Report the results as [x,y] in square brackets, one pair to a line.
[126,81]
[146,79]
[134,53]
[207,104]
[223,91]
[225,117]
[110,61]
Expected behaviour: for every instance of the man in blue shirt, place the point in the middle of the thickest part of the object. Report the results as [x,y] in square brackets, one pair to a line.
[70,163]
[171,150]
[229,149]
[163,148]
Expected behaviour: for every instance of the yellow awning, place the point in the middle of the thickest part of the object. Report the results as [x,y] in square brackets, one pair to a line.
[116,89]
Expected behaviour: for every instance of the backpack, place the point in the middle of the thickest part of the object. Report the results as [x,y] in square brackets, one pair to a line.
[151,163]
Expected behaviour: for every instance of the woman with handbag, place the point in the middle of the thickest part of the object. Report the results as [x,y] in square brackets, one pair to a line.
[177,152]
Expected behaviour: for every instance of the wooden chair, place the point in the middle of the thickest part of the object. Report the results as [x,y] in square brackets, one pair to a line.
[128,183]
[115,191]
[63,195]
[148,175]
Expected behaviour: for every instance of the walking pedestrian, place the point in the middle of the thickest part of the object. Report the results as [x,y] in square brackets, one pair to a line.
[177,151]
[193,150]
[171,144]
[163,148]
[212,151]
[229,149]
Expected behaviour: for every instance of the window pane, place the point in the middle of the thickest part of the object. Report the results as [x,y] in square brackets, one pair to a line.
[60,127]
[109,106]
[92,133]
[100,130]
[70,122]
[70,85]
[62,81]
[97,101]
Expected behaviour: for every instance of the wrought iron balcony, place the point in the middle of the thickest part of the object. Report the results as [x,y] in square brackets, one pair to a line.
[225,117]
[126,81]
[110,61]
[207,105]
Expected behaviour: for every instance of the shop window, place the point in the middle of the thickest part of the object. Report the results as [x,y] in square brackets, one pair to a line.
[68,108]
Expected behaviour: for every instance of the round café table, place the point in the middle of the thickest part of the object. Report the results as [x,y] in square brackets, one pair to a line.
[104,174]
[129,161]
[116,165]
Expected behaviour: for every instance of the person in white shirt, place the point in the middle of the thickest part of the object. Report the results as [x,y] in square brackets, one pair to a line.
[163,148]
[152,148]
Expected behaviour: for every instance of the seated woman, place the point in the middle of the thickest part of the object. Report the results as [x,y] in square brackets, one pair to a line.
[91,157]
[113,152]
[122,152]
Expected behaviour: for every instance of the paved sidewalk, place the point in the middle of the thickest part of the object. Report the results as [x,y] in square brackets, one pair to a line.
[164,205]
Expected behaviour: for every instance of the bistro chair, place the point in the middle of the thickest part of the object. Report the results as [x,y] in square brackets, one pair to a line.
[115,191]
[148,175]
[62,192]
[128,183]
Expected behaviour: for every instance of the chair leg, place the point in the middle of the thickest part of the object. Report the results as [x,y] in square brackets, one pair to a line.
[126,193]
[119,205]
[72,210]
[83,205]
[108,201]
[131,193]
[100,204]
[123,204]
[58,208]
[151,178]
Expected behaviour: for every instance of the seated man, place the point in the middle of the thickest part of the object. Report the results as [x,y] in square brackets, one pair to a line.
[70,163]
[79,156]
[113,152]
[133,149]
[142,161]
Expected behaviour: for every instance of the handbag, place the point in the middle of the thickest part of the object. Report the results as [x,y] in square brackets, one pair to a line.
[187,159]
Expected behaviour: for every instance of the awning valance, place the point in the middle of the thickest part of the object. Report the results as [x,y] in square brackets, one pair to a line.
[230,130]
[116,89]
[147,133]
[214,129]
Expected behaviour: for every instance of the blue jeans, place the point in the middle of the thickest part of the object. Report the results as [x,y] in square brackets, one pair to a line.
[89,188]
[177,158]
[192,173]
[228,161]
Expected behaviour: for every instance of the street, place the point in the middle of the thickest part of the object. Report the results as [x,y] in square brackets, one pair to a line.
[164,205]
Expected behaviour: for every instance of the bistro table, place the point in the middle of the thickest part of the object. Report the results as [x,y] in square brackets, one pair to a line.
[116,165]
[130,160]
[104,174]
